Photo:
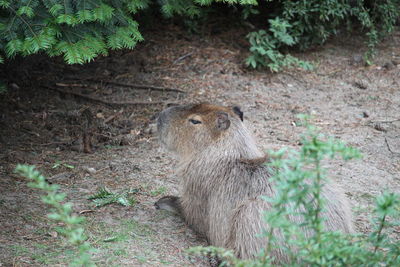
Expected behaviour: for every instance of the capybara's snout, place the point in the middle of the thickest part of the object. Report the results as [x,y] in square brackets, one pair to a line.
[166,116]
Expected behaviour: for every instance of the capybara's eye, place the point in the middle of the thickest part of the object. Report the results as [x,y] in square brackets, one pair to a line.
[194,121]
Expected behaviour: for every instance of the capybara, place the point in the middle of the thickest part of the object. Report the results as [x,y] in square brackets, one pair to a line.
[223,177]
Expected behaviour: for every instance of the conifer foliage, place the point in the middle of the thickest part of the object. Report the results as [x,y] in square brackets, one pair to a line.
[79,30]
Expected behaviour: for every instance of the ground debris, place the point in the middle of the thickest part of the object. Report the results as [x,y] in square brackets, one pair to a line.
[361,84]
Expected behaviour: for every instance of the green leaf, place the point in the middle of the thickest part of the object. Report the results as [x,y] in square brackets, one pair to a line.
[252,62]
[103,13]
[67,19]
[25,10]
[4,4]
[56,9]
[135,6]
[85,16]
[124,201]
[13,47]
[204,2]
[248,2]
[73,55]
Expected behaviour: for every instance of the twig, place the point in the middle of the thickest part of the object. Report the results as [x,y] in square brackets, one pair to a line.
[390,150]
[86,211]
[71,85]
[54,143]
[282,139]
[329,73]
[182,57]
[381,226]
[112,117]
[139,86]
[390,121]
[98,100]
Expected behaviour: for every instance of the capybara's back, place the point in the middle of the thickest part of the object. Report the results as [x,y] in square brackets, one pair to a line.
[223,178]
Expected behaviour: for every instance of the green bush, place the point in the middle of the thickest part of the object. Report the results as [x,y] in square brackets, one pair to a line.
[312,22]
[293,170]
[265,48]
[78,30]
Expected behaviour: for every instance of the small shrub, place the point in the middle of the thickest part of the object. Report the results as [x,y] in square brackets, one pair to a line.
[312,22]
[265,48]
[302,169]
[61,212]
[378,18]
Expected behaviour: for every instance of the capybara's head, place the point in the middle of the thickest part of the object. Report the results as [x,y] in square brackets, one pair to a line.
[187,129]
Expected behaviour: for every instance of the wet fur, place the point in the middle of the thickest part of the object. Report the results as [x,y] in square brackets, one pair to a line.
[223,178]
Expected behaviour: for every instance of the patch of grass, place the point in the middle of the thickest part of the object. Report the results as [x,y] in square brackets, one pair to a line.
[159,191]
[112,240]
[43,230]
[105,197]
[165,262]
[141,259]
[19,250]
[111,146]
[106,235]
[120,252]
[44,257]
[40,246]
[27,217]
[373,98]
[149,190]
[44,254]
[50,255]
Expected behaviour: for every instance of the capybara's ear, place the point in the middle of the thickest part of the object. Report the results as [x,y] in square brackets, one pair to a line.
[223,121]
[238,112]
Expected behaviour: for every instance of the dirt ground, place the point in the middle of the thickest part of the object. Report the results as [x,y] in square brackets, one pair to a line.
[51,106]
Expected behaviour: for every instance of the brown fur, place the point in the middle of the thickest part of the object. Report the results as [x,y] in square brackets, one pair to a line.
[223,178]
